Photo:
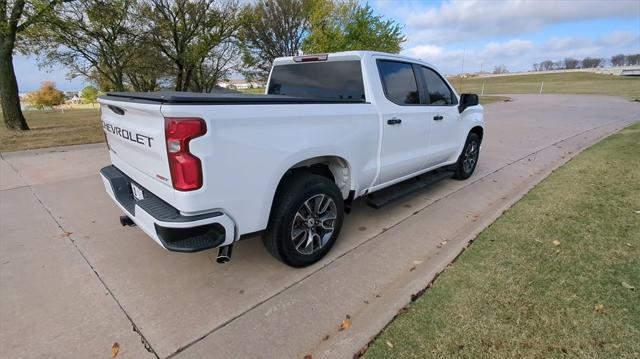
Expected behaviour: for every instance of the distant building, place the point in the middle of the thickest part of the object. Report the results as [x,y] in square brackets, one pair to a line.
[74,100]
[68,95]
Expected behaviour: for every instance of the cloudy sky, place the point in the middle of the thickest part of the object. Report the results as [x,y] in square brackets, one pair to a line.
[487,33]
[516,34]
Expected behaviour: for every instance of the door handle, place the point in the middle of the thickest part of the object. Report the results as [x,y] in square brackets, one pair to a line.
[394,121]
[437,118]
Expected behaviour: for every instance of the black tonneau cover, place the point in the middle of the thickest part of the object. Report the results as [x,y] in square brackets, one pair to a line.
[218,98]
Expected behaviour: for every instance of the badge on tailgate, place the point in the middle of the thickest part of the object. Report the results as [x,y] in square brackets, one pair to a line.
[137,192]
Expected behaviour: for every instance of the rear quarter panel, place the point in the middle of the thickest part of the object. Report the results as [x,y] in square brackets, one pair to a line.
[248,148]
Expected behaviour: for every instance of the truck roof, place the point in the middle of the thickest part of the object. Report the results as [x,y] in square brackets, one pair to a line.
[353,55]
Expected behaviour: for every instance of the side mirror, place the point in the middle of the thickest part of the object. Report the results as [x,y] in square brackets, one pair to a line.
[467,100]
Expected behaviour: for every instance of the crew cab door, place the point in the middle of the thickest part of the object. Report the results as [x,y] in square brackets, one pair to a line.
[405,123]
[445,135]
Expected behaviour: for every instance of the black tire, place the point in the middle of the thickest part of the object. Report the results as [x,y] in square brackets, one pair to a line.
[289,215]
[468,159]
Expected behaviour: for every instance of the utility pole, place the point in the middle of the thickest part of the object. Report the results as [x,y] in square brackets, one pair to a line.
[464,50]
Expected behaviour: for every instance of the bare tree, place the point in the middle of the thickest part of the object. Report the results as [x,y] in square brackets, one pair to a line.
[618,60]
[571,63]
[546,65]
[591,62]
[500,69]
[536,67]
[633,59]
[272,28]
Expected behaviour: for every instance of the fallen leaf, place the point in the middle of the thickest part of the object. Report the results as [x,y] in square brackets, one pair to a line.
[417,262]
[308,356]
[599,307]
[345,324]
[66,234]
[556,242]
[115,349]
[389,344]
[629,245]
[326,337]
[628,286]
[412,269]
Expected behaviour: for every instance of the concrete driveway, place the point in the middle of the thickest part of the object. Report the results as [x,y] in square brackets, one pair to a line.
[73,281]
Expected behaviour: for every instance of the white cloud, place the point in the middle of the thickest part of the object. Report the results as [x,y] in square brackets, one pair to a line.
[519,55]
[621,38]
[458,20]
[511,48]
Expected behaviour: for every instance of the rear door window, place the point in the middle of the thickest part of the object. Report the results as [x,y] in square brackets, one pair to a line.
[439,93]
[341,80]
[399,82]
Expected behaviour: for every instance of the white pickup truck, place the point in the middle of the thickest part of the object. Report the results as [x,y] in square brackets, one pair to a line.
[197,171]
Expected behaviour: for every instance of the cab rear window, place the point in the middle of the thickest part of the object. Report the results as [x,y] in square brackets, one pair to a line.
[340,80]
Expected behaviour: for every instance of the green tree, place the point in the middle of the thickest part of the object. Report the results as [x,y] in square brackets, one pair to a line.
[16,17]
[148,70]
[89,94]
[191,34]
[92,38]
[344,26]
[270,29]
[47,96]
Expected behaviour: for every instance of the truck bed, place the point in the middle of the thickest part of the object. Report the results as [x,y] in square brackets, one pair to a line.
[221,98]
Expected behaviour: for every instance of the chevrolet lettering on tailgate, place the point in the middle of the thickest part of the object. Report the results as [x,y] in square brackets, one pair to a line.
[127,135]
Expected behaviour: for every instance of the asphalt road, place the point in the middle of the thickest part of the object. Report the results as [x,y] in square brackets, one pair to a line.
[73,281]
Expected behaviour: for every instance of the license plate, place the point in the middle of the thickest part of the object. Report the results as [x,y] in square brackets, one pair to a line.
[137,192]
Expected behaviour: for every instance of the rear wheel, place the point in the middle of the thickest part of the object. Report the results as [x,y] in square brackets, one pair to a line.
[306,219]
[468,159]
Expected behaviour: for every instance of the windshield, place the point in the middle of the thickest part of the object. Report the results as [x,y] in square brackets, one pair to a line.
[333,79]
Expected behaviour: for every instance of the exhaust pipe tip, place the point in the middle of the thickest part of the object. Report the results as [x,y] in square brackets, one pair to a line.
[222,259]
[224,254]
[125,221]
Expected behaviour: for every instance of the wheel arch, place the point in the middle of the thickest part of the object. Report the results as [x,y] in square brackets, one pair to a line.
[478,130]
[335,168]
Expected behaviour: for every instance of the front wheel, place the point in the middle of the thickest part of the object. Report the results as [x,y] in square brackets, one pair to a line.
[306,219]
[468,158]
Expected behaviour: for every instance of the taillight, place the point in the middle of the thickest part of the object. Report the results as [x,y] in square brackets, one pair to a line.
[186,169]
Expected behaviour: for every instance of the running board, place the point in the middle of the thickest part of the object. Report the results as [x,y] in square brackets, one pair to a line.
[391,194]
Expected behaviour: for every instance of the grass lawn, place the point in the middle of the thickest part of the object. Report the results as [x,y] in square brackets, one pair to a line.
[49,128]
[553,277]
[569,82]
[255,91]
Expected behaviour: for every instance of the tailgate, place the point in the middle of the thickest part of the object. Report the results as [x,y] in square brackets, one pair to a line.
[135,134]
